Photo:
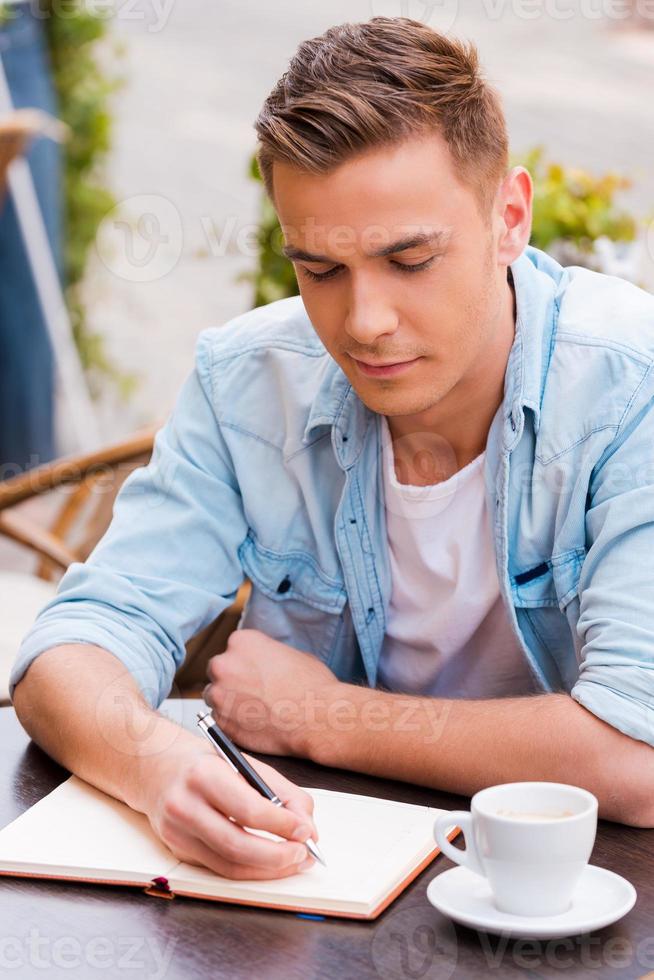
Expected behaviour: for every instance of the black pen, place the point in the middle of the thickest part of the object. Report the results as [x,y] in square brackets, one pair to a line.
[224,745]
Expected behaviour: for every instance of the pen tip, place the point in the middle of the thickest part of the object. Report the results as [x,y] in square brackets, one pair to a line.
[312,848]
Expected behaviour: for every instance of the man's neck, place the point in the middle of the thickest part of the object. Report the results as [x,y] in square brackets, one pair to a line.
[432,446]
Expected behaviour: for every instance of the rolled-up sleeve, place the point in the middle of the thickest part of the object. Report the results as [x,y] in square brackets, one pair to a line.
[616,585]
[168,564]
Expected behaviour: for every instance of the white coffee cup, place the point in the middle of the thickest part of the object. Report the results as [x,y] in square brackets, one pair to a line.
[531,841]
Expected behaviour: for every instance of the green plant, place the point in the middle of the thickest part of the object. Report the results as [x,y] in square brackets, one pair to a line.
[573,205]
[569,205]
[274,278]
[83,90]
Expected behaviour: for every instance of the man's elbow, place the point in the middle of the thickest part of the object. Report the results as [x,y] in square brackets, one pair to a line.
[630,810]
[23,700]
[618,767]
[629,797]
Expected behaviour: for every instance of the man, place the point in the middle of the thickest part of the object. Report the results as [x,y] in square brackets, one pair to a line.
[432,466]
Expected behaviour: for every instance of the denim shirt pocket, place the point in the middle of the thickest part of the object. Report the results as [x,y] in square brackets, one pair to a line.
[292,600]
[542,596]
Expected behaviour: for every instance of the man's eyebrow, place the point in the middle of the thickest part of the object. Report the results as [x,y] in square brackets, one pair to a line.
[400,245]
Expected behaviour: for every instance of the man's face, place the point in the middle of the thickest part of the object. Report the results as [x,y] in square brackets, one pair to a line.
[409,325]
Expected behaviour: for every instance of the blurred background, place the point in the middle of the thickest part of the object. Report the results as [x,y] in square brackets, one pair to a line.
[131,215]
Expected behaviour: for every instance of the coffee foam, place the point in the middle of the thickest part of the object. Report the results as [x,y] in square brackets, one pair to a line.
[534,814]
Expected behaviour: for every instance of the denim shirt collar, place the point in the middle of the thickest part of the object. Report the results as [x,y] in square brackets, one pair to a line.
[338,406]
[535,278]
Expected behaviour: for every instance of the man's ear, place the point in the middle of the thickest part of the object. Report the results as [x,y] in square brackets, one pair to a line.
[514,213]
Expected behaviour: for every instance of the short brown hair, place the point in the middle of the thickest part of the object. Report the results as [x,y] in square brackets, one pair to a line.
[375,83]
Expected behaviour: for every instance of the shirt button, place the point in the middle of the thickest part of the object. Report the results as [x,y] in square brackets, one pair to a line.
[512,421]
[284,585]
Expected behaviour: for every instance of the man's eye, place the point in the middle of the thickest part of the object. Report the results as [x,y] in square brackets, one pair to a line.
[416,267]
[320,276]
[401,266]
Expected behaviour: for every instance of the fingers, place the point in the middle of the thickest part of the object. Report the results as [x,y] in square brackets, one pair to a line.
[239,847]
[297,800]
[228,793]
[195,851]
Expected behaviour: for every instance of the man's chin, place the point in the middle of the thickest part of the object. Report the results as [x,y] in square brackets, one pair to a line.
[393,402]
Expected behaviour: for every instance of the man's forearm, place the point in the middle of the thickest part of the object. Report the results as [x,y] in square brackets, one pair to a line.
[464,745]
[84,708]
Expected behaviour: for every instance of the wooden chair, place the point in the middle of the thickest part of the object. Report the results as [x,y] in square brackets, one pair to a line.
[71,520]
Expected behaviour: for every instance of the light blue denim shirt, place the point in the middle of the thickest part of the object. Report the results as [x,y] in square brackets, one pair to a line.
[269,467]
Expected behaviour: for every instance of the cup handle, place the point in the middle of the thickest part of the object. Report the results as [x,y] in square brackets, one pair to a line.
[468,858]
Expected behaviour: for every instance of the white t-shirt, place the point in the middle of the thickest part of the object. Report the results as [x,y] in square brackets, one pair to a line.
[448,632]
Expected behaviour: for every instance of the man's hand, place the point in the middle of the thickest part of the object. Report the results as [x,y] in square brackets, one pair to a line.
[268,696]
[191,795]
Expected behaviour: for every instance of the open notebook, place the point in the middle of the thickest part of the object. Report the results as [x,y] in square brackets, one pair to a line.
[373,849]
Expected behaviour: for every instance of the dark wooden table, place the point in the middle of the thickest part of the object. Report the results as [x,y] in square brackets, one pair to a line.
[55,929]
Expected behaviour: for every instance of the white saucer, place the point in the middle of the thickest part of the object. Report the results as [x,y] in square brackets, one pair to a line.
[600,898]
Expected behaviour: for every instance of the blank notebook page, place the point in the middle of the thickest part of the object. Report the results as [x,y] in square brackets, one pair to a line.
[366,843]
[78,830]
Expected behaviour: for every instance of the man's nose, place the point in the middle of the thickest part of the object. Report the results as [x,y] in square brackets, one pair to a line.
[370,314]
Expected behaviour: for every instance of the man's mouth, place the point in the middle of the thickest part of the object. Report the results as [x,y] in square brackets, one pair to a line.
[383,369]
